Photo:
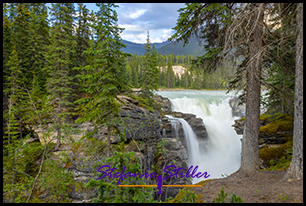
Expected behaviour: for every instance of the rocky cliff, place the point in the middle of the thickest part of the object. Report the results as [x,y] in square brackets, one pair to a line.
[195,123]
[144,134]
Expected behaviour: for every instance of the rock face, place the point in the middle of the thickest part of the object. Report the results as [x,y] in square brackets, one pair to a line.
[237,110]
[196,124]
[140,122]
[173,127]
[143,132]
[165,103]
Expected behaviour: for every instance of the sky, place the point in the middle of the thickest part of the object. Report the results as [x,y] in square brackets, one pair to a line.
[138,18]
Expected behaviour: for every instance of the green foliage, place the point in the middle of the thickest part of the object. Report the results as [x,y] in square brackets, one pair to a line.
[186,196]
[222,197]
[48,181]
[282,198]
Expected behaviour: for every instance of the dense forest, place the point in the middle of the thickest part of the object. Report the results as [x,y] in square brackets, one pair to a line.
[64,65]
[187,76]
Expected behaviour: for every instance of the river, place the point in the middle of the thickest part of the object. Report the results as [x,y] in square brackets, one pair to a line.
[220,156]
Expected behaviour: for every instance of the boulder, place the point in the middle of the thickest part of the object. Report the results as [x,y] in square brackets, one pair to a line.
[164,101]
[237,110]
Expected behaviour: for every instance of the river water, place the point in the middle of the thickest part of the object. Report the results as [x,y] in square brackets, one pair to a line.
[220,156]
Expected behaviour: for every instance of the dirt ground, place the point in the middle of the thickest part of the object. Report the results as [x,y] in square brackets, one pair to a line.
[263,187]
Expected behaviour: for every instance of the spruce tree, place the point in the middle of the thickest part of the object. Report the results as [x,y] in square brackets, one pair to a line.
[150,74]
[83,43]
[12,133]
[104,79]
[7,50]
[134,74]
[170,74]
[39,40]
[60,51]
[21,27]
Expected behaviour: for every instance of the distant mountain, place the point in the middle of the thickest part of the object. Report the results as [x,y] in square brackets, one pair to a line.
[177,48]
[167,47]
[132,47]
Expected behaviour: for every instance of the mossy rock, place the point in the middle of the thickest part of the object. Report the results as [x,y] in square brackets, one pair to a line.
[282,123]
[274,153]
[265,117]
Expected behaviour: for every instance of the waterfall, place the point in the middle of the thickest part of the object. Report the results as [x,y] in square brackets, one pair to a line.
[221,155]
[192,143]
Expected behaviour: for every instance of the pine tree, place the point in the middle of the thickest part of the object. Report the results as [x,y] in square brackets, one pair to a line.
[39,40]
[21,40]
[105,82]
[12,138]
[83,43]
[134,74]
[150,74]
[17,20]
[7,50]
[59,57]
[170,75]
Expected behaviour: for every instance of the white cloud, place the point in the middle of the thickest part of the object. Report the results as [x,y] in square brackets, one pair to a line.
[138,18]
[130,28]
[137,13]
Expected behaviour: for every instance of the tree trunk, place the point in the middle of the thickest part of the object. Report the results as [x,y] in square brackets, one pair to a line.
[250,148]
[58,142]
[108,140]
[295,169]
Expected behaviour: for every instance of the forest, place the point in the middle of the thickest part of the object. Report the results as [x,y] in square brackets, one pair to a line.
[64,65]
[190,77]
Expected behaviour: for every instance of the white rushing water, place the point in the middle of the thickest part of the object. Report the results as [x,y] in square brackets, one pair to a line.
[221,155]
[192,142]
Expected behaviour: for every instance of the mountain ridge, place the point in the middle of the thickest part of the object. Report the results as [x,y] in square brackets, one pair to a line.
[166,47]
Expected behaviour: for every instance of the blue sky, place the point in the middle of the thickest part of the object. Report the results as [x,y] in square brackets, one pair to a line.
[138,18]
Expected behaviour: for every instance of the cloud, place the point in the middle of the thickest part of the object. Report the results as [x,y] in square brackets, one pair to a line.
[138,18]
[137,13]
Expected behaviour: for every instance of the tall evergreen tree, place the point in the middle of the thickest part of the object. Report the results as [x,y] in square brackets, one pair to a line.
[39,40]
[295,170]
[83,43]
[170,74]
[105,82]
[150,74]
[134,66]
[21,27]
[59,57]
[12,129]
[7,50]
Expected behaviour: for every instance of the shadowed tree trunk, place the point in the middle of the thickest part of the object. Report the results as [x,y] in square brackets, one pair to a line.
[250,149]
[295,169]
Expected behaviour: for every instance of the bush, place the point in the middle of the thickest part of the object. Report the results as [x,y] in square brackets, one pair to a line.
[222,198]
